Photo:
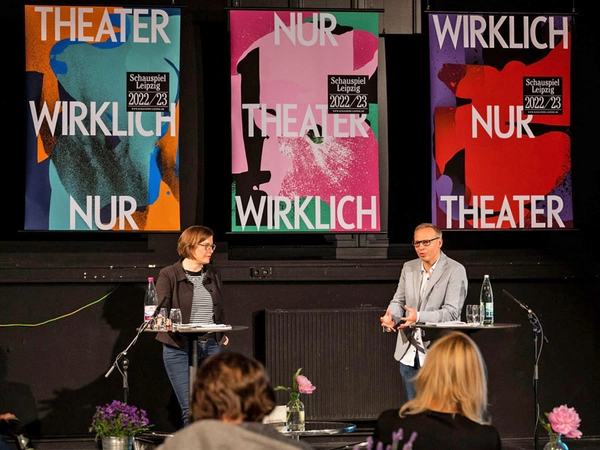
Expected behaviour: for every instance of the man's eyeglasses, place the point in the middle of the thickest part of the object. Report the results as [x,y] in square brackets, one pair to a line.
[208,247]
[425,242]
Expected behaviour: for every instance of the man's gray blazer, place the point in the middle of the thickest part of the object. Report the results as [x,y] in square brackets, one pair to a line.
[442,300]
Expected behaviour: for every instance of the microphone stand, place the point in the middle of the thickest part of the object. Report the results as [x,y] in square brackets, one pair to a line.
[537,331]
[122,363]
[125,379]
[125,362]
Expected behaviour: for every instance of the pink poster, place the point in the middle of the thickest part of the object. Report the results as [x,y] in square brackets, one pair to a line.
[304,117]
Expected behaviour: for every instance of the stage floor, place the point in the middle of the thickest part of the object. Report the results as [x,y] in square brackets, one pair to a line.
[335,442]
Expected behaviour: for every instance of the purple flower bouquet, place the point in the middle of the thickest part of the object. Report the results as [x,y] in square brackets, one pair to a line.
[119,419]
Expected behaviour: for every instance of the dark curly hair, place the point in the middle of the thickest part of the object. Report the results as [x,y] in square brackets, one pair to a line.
[231,386]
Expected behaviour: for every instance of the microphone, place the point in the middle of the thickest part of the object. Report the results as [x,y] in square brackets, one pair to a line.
[141,329]
[522,305]
[537,326]
[157,310]
[152,319]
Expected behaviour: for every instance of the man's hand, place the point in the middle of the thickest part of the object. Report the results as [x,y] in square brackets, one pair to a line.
[410,319]
[387,322]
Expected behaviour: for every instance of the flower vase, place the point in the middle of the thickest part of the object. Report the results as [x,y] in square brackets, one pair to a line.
[294,415]
[117,443]
[555,442]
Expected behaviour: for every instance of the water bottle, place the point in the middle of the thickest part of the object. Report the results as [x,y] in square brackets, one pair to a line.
[486,301]
[150,300]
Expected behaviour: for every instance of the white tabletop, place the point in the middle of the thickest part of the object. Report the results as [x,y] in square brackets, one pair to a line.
[318,428]
[465,326]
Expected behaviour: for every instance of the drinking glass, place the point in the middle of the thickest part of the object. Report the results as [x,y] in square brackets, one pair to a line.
[175,318]
[161,319]
[474,314]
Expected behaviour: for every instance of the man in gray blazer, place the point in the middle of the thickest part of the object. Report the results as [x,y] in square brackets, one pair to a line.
[432,288]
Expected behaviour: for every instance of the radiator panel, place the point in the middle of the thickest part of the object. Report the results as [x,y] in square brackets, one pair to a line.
[343,352]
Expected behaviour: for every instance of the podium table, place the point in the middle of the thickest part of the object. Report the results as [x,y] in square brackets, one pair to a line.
[193,334]
[465,327]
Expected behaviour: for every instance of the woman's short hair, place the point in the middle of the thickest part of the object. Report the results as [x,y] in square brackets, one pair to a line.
[453,378]
[191,237]
[232,386]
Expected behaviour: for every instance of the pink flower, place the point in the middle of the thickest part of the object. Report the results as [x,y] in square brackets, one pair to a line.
[565,420]
[304,385]
[300,385]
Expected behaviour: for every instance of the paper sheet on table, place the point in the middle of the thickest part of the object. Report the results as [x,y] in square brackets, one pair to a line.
[452,324]
[200,326]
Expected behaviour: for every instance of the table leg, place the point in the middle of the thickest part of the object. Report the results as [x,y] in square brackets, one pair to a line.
[192,363]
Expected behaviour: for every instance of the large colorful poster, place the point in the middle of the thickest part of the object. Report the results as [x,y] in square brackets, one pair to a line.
[501,108]
[304,121]
[102,113]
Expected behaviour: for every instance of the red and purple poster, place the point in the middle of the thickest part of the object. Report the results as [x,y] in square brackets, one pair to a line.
[501,115]
[304,120]
[102,144]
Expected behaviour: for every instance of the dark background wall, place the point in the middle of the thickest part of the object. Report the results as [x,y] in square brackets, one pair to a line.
[52,375]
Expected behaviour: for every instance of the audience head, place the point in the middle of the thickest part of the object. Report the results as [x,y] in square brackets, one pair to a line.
[452,379]
[190,237]
[436,229]
[233,388]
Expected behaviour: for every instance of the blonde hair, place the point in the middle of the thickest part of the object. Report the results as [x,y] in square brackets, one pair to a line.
[452,379]
[191,237]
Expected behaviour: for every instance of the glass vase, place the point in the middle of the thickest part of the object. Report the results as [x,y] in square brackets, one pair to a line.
[555,442]
[117,443]
[294,416]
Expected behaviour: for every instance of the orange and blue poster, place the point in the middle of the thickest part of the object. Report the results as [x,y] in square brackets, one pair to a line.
[102,144]
[304,117]
[501,116]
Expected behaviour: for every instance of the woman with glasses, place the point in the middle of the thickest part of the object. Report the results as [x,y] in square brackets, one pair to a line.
[194,286]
